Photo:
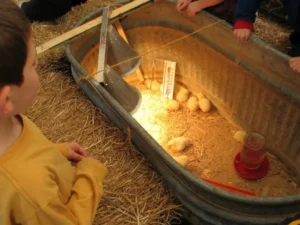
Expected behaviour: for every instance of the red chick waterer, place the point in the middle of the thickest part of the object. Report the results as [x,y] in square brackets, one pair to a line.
[252,162]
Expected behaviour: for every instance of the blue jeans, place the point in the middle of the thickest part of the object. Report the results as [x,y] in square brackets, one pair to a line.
[293,11]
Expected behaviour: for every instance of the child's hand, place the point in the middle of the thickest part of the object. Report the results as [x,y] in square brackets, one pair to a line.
[194,7]
[242,34]
[76,153]
[183,4]
[295,64]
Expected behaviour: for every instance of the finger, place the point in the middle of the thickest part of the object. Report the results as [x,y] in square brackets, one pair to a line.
[178,6]
[77,148]
[73,144]
[293,60]
[85,154]
[75,157]
[292,64]
[188,11]
[182,6]
[81,151]
[240,38]
[296,68]
[246,36]
[238,35]
[242,35]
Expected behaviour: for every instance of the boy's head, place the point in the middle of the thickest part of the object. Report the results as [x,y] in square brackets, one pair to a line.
[18,61]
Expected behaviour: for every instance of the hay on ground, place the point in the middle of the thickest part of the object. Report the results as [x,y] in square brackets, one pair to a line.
[274,34]
[134,193]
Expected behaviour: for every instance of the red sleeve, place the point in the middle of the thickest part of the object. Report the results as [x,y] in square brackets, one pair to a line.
[243,24]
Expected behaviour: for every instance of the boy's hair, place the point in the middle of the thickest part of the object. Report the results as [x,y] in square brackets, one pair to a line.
[14,35]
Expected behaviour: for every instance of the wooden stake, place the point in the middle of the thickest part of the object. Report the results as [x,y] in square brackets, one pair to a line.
[120,30]
[126,9]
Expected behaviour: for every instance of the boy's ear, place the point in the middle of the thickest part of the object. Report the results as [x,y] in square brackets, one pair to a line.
[6,106]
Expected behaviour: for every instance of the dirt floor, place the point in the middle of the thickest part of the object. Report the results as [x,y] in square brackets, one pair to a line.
[64,114]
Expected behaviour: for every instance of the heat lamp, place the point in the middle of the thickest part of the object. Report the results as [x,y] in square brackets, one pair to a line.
[128,96]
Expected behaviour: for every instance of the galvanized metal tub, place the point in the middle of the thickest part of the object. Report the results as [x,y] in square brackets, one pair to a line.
[252,85]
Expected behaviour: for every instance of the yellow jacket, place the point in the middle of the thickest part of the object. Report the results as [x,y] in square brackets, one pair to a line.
[38,185]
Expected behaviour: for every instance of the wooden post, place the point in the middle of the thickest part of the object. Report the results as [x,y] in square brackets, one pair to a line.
[126,9]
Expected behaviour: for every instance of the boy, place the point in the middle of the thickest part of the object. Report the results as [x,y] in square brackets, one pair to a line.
[246,15]
[38,184]
[45,10]
[225,9]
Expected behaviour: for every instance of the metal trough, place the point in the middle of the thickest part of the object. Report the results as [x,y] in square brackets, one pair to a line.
[250,84]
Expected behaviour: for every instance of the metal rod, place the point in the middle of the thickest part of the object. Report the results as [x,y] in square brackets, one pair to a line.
[103,45]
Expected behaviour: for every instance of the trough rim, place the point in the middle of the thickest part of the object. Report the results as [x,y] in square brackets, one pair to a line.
[275,201]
